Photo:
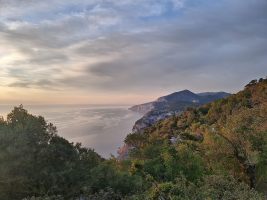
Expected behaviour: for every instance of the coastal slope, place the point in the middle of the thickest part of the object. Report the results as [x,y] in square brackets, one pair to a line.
[171,104]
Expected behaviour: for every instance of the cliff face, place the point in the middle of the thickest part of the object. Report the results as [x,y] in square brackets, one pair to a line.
[172,104]
[143,108]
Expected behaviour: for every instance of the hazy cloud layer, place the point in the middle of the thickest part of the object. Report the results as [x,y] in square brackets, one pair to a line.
[132,46]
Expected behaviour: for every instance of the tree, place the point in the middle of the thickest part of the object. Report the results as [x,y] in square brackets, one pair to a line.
[35,161]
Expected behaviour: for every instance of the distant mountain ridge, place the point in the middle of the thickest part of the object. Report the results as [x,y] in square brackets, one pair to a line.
[172,104]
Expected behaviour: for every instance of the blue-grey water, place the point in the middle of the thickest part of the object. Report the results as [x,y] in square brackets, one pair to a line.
[102,128]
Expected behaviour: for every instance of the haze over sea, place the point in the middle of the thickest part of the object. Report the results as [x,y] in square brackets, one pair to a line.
[102,128]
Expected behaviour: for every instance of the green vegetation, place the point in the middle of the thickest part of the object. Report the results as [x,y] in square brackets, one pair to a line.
[217,151]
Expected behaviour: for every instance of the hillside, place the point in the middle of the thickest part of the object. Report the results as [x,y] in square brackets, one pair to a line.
[171,104]
[227,136]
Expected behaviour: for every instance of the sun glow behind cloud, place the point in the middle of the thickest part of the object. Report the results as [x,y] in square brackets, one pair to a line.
[124,52]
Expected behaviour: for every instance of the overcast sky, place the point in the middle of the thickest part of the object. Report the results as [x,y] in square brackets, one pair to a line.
[128,51]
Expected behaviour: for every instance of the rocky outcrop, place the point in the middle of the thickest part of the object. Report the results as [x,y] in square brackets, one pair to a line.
[172,104]
[143,108]
[151,118]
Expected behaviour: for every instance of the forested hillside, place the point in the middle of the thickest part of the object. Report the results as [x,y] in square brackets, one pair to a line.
[171,104]
[227,137]
[217,151]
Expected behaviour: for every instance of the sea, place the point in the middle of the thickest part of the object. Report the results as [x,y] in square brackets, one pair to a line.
[102,128]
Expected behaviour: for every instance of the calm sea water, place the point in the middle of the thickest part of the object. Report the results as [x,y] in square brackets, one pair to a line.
[102,128]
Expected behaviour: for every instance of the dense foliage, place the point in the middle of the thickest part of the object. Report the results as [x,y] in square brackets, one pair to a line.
[217,151]
[36,162]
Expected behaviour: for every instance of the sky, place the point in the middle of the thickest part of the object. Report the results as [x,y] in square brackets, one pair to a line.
[128,51]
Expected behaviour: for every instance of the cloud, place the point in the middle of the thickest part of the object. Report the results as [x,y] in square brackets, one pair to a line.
[205,45]
[43,83]
[133,46]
